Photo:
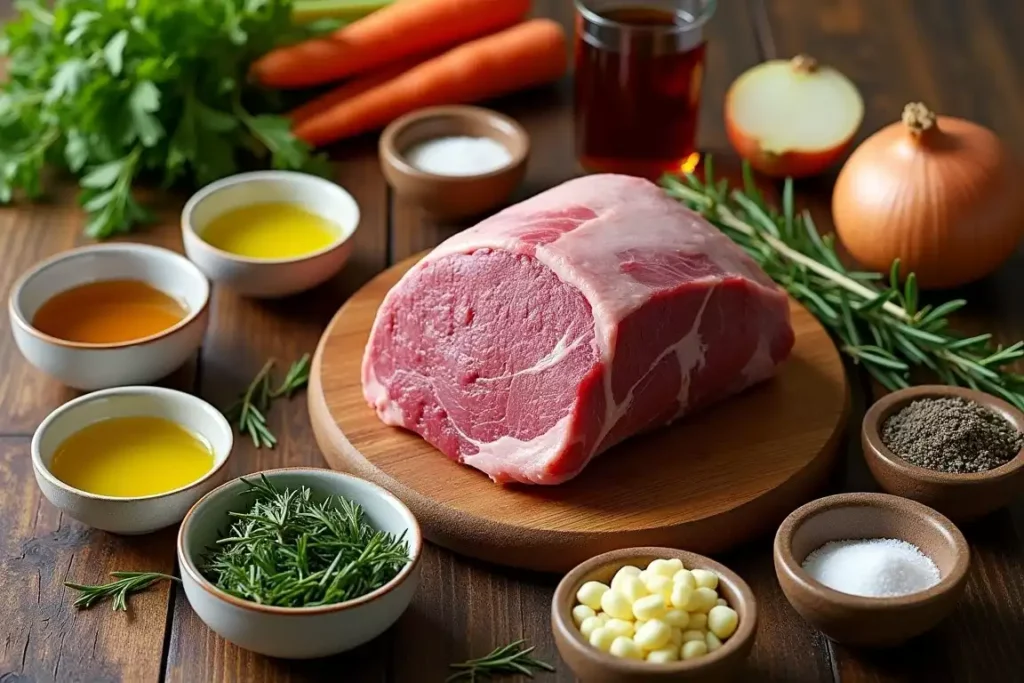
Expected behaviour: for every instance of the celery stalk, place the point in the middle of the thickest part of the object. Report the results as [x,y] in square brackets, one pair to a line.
[306,11]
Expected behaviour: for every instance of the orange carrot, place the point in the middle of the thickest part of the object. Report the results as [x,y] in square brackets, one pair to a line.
[529,54]
[403,29]
[352,88]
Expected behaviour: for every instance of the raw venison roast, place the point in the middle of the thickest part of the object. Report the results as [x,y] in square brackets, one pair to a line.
[560,326]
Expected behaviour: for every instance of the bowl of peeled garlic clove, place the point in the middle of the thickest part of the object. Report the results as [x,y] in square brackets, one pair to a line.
[665,615]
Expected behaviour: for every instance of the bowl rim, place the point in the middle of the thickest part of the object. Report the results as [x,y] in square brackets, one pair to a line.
[783,552]
[391,155]
[163,394]
[128,250]
[567,587]
[880,410]
[276,176]
[187,564]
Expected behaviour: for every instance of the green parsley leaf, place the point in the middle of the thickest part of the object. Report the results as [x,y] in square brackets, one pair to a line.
[66,80]
[76,151]
[113,89]
[143,102]
[275,134]
[113,52]
[103,176]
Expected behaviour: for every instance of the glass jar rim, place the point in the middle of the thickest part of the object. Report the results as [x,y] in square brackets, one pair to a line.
[592,16]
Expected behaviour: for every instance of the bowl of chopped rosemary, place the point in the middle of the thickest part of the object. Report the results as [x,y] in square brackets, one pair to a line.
[954,449]
[299,563]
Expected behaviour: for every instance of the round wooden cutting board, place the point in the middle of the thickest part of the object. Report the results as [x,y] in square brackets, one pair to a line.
[707,483]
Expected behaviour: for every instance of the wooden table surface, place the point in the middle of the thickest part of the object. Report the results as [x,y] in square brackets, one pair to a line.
[963,58]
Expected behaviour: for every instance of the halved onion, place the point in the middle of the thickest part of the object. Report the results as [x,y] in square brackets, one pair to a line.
[792,118]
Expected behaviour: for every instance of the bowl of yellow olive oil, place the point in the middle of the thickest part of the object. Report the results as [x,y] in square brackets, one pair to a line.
[110,315]
[270,234]
[131,460]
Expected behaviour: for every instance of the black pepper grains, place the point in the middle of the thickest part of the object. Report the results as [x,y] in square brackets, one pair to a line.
[953,435]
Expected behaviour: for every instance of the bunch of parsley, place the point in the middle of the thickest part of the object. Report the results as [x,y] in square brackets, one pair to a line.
[117,90]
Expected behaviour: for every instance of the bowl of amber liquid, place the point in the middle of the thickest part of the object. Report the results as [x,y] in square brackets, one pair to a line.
[110,315]
[638,80]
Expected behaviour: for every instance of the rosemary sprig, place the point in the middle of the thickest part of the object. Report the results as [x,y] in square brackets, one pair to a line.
[290,550]
[126,584]
[297,377]
[506,660]
[877,319]
[249,412]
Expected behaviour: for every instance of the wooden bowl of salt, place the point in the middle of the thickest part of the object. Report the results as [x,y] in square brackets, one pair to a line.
[871,569]
[455,161]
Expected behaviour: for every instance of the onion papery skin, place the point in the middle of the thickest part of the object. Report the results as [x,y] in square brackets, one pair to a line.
[945,201]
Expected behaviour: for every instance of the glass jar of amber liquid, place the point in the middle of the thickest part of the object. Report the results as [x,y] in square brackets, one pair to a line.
[639,71]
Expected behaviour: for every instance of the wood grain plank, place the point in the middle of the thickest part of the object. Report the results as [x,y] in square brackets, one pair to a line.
[44,638]
[897,52]
[243,334]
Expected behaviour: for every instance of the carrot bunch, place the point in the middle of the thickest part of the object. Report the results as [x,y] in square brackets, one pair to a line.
[412,54]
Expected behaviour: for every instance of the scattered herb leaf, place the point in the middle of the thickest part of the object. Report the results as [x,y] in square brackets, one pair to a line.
[297,377]
[126,584]
[250,411]
[507,660]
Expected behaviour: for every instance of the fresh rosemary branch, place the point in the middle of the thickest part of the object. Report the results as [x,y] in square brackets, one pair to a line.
[297,377]
[126,584]
[506,660]
[249,412]
[290,550]
[878,320]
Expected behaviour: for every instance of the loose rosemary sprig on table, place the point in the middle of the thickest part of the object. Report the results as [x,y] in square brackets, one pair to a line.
[503,661]
[289,550]
[126,584]
[249,412]
[879,322]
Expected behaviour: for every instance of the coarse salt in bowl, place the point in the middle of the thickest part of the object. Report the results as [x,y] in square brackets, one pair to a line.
[872,567]
[458,155]
[856,619]
[436,132]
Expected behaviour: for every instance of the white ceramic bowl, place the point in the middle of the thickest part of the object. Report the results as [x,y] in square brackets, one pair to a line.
[142,514]
[297,632]
[98,366]
[269,278]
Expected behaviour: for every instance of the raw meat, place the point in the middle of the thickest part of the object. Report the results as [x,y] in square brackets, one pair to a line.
[562,325]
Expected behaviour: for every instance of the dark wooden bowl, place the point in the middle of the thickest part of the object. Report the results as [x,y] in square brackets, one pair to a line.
[594,666]
[453,197]
[961,497]
[866,621]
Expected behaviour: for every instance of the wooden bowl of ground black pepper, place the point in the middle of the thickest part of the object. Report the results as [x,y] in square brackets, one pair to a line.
[954,449]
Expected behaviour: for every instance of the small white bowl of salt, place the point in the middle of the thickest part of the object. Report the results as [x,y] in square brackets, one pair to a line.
[871,569]
[455,161]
